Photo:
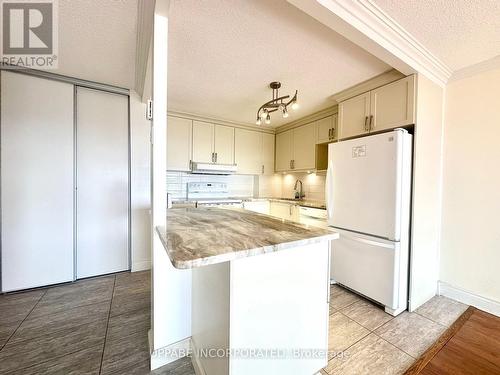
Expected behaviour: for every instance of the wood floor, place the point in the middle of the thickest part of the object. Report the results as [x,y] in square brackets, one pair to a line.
[93,326]
[470,347]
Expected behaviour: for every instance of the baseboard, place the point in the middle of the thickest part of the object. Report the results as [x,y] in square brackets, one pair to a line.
[141,266]
[198,368]
[469,298]
[168,354]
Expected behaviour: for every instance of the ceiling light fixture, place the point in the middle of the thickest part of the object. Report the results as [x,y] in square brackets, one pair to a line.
[275,104]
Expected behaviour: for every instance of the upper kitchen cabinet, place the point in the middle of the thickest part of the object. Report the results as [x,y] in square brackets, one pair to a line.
[304,147]
[267,153]
[179,132]
[203,142]
[393,105]
[247,151]
[213,143]
[326,129]
[386,107]
[224,144]
[354,114]
[284,151]
[296,148]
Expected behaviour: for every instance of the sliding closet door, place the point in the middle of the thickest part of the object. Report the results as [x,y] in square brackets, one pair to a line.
[102,215]
[36,181]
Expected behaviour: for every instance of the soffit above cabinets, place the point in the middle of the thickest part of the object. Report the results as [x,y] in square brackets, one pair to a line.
[460,33]
[222,55]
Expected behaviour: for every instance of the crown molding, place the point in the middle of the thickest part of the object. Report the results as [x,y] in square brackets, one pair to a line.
[308,119]
[472,70]
[368,85]
[218,121]
[367,25]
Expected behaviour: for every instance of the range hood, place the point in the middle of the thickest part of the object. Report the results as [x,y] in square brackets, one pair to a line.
[210,168]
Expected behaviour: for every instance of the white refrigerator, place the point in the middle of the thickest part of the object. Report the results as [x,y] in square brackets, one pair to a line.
[368,190]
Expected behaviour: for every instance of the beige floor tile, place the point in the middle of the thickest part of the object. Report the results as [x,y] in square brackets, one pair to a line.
[411,333]
[340,297]
[371,356]
[6,330]
[332,309]
[343,332]
[442,310]
[367,314]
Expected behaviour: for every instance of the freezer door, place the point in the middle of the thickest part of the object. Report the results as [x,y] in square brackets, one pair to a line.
[365,181]
[368,266]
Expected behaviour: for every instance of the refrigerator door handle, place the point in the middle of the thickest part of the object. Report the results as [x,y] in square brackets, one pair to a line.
[328,193]
[370,242]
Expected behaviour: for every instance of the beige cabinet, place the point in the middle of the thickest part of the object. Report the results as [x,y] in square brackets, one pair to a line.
[386,107]
[203,139]
[284,210]
[354,114]
[304,147]
[284,151]
[213,143]
[267,153]
[224,144]
[178,143]
[393,105]
[296,148]
[326,129]
[248,151]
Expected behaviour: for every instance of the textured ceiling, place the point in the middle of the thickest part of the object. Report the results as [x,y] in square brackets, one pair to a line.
[97,40]
[459,32]
[224,53]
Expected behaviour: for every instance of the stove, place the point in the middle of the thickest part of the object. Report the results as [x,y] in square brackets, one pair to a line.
[210,194]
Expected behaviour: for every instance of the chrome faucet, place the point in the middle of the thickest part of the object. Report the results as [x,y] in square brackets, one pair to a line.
[300,193]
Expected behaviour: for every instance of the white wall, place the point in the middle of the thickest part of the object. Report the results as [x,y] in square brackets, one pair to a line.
[140,177]
[427,177]
[470,247]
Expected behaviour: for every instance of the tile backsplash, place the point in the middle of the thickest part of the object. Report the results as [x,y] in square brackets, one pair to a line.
[313,185]
[237,185]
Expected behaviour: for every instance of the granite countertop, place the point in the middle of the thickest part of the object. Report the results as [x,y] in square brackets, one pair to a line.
[300,202]
[201,236]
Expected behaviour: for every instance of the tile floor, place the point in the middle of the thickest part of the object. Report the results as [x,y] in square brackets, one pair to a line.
[100,325]
[94,326]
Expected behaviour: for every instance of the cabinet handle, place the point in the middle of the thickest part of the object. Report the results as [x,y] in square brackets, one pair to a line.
[262,168]
[293,164]
[216,157]
[366,123]
[333,133]
[212,157]
[290,164]
[371,122]
[329,133]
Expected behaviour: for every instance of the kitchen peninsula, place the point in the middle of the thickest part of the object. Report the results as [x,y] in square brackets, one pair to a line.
[260,290]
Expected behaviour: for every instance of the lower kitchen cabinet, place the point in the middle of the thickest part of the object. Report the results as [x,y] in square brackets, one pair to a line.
[284,210]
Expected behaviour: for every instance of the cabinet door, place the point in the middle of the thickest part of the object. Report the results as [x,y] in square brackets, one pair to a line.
[224,144]
[304,146]
[324,129]
[267,153]
[178,143]
[203,141]
[392,105]
[353,116]
[283,151]
[282,210]
[247,151]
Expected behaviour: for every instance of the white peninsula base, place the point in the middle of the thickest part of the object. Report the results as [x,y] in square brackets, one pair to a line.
[270,312]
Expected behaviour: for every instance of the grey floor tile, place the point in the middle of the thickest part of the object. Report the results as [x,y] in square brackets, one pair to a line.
[132,279]
[411,333]
[37,326]
[343,332]
[27,353]
[367,314]
[125,353]
[15,307]
[6,330]
[182,366]
[340,297]
[131,301]
[442,310]
[81,293]
[372,355]
[121,326]
[83,362]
